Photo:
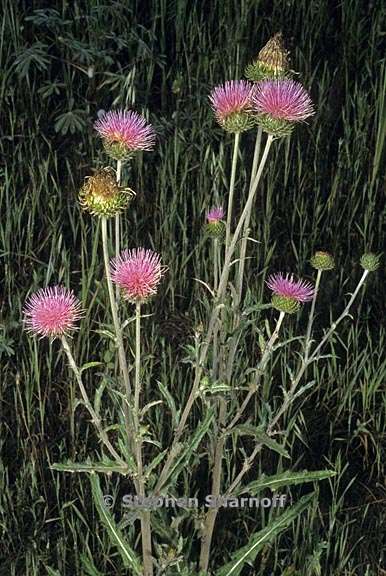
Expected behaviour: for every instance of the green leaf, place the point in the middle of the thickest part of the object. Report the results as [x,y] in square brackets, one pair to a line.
[287,478]
[190,447]
[169,401]
[105,467]
[98,396]
[154,463]
[129,557]
[88,566]
[261,436]
[259,539]
[90,365]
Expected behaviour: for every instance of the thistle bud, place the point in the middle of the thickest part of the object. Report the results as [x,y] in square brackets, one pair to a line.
[288,294]
[271,62]
[215,226]
[370,261]
[285,304]
[102,196]
[322,261]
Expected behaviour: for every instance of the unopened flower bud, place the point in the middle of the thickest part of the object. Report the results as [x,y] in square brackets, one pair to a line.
[322,261]
[102,196]
[370,261]
[215,226]
[272,61]
[285,304]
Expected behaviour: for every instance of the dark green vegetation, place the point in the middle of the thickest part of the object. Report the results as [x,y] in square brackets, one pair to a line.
[323,189]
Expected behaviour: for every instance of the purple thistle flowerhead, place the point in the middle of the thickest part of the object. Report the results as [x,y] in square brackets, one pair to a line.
[137,272]
[52,312]
[231,104]
[288,293]
[279,104]
[215,214]
[124,132]
[215,226]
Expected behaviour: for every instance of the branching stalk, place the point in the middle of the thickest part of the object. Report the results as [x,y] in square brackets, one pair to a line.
[212,323]
[94,417]
[291,393]
[145,514]
[232,189]
[118,334]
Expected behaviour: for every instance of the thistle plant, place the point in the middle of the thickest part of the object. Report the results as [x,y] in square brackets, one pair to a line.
[273,105]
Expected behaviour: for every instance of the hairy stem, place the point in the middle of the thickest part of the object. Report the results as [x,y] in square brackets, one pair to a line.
[260,371]
[241,264]
[145,514]
[211,515]
[244,240]
[95,418]
[212,324]
[118,334]
[291,393]
[118,225]
[308,340]
[210,518]
[232,189]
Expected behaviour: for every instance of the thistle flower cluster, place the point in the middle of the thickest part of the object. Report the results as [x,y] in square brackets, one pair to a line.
[271,62]
[215,226]
[322,261]
[52,312]
[124,132]
[101,195]
[287,293]
[137,273]
[231,103]
[370,261]
[279,104]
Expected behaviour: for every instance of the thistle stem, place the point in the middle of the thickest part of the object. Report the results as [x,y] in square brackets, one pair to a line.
[244,240]
[118,334]
[241,265]
[95,418]
[232,189]
[212,324]
[118,225]
[145,514]
[260,371]
[308,341]
[211,515]
[291,393]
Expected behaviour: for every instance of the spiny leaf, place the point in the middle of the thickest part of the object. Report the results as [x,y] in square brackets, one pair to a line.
[287,478]
[104,467]
[128,555]
[259,539]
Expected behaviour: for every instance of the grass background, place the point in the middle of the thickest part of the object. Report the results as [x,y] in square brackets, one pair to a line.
[324,189]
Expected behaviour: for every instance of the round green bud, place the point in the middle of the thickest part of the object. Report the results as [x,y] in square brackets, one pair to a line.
[276,126]
[117,150]
[257,71]
[101,195]
[216,230]
[285,304]
[322,261]
[370,261]
[238,122]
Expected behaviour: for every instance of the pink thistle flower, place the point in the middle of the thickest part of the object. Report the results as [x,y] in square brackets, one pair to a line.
[52,312]
[125,132]
[137,272]
[231,104]
[282,99]
[287,287]
[215,214]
